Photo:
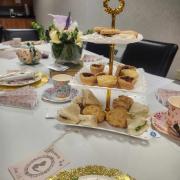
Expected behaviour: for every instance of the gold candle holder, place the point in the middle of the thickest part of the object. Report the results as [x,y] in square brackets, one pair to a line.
[113,12]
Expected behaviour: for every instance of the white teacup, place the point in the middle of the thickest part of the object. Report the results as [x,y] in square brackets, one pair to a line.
[16,42]
[61,83]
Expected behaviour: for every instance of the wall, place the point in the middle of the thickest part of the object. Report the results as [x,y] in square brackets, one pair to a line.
[155,19]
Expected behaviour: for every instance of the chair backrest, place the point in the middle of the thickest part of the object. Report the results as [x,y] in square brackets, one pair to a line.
[101,49]
[1,33]
[155,57]
[24,34]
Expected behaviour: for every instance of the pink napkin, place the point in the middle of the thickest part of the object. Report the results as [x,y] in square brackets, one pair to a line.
[39,167]
[25,97]
[162,95]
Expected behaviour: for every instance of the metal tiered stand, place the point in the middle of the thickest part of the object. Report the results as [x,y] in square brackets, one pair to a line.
[113,12]
[112,41]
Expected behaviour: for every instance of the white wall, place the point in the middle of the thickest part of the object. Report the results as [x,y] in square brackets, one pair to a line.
[155,19]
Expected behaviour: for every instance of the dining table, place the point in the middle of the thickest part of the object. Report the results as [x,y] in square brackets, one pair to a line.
[24,133]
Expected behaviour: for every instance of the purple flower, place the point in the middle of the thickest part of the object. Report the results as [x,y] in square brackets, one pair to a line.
[61,22]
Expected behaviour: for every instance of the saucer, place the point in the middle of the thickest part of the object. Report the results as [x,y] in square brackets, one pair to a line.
[159,122]
[50,95]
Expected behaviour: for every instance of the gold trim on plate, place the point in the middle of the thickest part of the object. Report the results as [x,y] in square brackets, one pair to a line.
[42,81]
[74,174]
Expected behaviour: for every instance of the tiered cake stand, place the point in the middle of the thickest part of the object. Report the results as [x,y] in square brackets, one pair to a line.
[112,42]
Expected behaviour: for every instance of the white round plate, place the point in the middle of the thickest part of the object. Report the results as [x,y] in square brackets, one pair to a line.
[116,39]
[23,82]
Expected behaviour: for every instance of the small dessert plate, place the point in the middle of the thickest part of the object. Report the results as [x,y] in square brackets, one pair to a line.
[50,95]
[159,122]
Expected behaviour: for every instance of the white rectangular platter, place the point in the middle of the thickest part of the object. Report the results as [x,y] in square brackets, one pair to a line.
[105,126]
[140,86]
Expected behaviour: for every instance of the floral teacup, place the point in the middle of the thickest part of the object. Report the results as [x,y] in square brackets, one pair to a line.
[61,84]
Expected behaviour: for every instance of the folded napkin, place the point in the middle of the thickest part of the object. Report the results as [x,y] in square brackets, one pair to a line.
[17,76]
[39,167]
[25,97]
[162,95]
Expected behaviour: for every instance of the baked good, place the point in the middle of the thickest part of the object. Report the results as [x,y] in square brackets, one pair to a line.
[123,102]
[88,98]
[117,117]
[109,31]
[96,68]
[88,78]
[99,28]
[127,70]
[130,33]
[130,72]
[88,120]
[69,114]
[137,126]
[101,74]
[126,82]
[139,110]
[107,81]
[95,110]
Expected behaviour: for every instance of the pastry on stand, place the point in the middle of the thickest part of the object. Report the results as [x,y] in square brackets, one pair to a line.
[112,36]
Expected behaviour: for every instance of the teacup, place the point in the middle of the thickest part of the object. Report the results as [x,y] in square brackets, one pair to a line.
[61,84]
[16,42]
[173,110]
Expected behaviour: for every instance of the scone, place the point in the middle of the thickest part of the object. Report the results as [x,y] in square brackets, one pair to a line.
[95,110]
[99,28]
[88,78]
[107,81]
[126,82]
[96,68]
[123,102]
[130,32]
[117,117]
[109,32]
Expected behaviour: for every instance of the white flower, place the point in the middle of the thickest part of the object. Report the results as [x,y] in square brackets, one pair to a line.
[73,26]
[54,36]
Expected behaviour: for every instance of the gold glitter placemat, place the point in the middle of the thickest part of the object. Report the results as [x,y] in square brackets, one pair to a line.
[43,81]
[74,174]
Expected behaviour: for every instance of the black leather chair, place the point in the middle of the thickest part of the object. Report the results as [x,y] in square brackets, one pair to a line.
[155,57]
[1,33]
[101,49]
[24,34]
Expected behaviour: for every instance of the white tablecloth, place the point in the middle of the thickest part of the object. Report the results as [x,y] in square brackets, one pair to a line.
[24,133]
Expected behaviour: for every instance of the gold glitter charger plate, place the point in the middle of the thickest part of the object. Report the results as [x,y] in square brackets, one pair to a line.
[100,171]
[41,79]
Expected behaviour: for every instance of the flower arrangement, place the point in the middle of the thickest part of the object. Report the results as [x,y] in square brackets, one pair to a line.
[65,39]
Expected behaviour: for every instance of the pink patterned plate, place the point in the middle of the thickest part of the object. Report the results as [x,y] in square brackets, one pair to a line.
[159,122]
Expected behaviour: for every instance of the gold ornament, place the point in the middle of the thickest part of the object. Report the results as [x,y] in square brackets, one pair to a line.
[114,11]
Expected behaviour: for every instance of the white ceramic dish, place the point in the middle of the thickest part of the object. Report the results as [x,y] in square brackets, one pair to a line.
[140,86]
[116,39]
[22,82]
[106,127]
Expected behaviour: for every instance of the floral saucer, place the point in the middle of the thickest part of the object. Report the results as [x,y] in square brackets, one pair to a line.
[159,122]
[50,95]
